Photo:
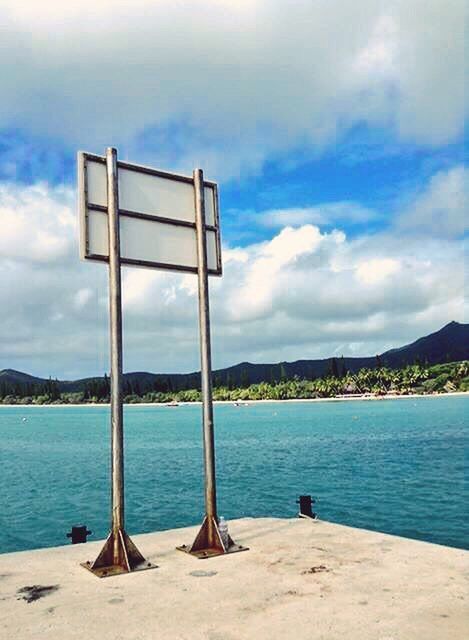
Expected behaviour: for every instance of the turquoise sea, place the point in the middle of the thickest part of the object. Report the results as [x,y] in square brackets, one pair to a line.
[396,466]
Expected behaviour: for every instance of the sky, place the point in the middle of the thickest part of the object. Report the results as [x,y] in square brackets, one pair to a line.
[336,133]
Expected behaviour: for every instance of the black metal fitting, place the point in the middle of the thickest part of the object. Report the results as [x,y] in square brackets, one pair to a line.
[306,510]
[78,533]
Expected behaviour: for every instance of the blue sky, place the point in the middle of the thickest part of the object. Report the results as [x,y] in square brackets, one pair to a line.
[340,156]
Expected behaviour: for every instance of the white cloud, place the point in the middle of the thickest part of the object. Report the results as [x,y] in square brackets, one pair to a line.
[377,270]
[304,293]
[252,296]
[80,299]
[179,83]
[441,208]
[36,224]
[378,56]
[326,214]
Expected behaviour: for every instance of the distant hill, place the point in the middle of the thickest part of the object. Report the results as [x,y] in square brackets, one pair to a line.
[449,344]
[18,383]
[17,377]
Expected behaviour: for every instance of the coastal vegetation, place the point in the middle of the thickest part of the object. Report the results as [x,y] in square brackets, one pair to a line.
[379,381]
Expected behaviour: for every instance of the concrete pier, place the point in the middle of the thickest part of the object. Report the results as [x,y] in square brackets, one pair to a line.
[301,580]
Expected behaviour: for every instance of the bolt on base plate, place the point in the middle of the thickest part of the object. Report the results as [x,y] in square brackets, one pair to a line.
[119,555]
[208,542]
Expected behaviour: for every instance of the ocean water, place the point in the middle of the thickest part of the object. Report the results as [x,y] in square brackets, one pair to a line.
[396,466]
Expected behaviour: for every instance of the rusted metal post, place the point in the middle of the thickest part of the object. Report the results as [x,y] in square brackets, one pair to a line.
[205,349]
[115,313]
[208,541]
[119,554]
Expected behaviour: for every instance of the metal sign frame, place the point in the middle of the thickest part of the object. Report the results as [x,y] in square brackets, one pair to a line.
[120,554]
[85,205]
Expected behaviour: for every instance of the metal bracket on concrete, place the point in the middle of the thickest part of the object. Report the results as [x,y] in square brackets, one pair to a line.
[208,542]
[306,508]
[119,555]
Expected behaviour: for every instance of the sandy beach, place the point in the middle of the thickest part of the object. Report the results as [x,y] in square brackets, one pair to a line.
[253,402]
[300,579]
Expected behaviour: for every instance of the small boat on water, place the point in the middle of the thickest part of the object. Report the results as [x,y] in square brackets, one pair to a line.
[174,403]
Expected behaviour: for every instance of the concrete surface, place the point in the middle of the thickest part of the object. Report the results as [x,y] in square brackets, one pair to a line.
[301,580]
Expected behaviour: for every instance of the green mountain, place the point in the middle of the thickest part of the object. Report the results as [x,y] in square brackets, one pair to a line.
[449,344]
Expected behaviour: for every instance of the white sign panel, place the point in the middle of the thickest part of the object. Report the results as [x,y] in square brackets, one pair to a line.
[156,217]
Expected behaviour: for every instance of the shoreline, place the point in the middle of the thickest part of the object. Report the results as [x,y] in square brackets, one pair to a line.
[241,403]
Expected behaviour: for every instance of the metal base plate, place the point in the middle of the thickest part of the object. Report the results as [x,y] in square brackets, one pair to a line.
[115,570]
[119,555]
[208,542]
[203,554]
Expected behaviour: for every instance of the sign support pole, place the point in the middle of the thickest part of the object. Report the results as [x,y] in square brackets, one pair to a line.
[208,541]
[119,554]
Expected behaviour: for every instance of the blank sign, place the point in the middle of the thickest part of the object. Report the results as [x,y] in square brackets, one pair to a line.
[141,240]
[156,217]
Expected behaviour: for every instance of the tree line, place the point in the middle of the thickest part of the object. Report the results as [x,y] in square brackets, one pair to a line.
[338,382]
